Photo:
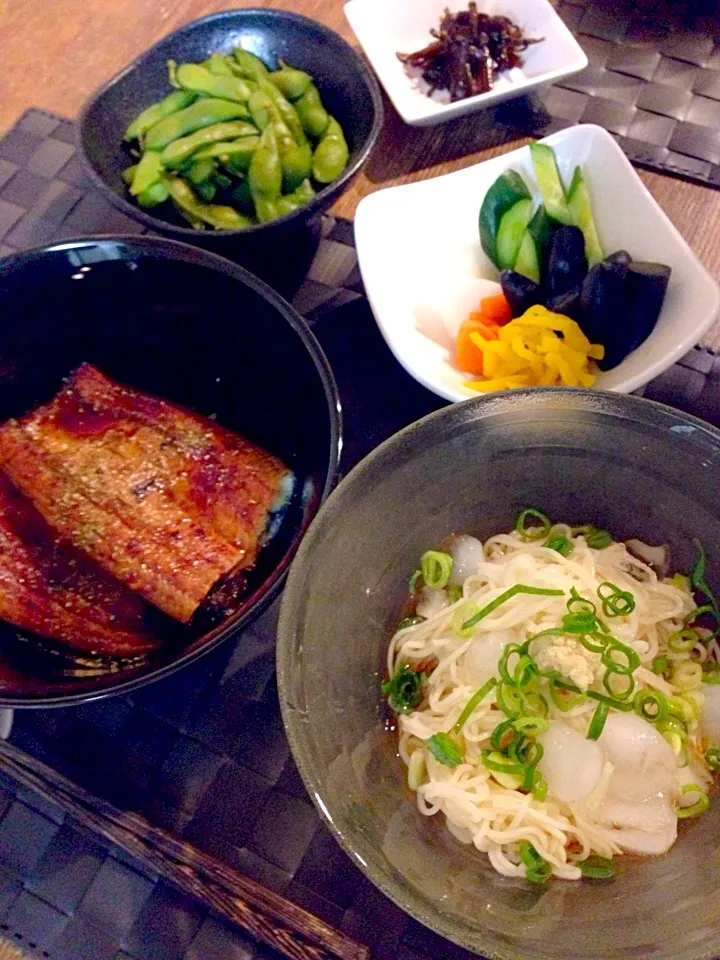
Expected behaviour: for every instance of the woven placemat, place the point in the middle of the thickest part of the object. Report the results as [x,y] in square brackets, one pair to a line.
[203,753]
[653,81]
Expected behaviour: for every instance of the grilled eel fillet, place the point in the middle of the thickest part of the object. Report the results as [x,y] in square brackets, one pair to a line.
[49,587]
[165,500]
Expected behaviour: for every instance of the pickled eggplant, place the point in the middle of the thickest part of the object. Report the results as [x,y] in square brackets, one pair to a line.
[568,303]
[520,292]
[604,311]
[647,285]
[567,266]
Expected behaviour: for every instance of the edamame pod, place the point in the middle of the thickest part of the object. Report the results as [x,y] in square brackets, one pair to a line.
[331,154]
[206,190]
[293,201]
[202,113]
[194,77]
[128,174]
[177,152]
[284,110]
[249,66]
[292,83]
[218,64]
[200,171]
[158,111]
[296,165]
[242,197]
[156,194]
[265,175]
[313,115]
[148,172]
[235,155]
[213,215]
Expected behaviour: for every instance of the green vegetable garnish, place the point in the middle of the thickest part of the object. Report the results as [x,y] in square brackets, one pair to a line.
[523,669]
[659,664]
[413,581]
[613,702]
[443,748]
[531,726]
[700,805]
[455,592]
[651,705]
[682,640]
[699,580]
[472,703]
[496,761]
[460,618]
[578,604]
[615,602]
[561,545]
[508,595]
[597,868]
[598,721]
[403,690]
[537,869]
[436,568]
[563,698]
[712,758]
[534,530]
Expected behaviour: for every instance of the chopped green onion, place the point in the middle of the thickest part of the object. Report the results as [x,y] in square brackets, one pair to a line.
[597,868]
[700,805]
[403,690]
[651,705]
[698,612]
[533,756]
[495,761]
[462,617]
[581,622]
[594,695]
[595,538]
[455,592]
[509,700]
[474,701]
[539,787]
[413,581]
[436,568]
[699,580]
[443,748]
[711,673]
[614,646]
[680,581]
[578,604]
[534,704]
[523,670]
[598,721]
[682,709]
[508,595]
[561,545]
[712,758]
[687,675]
[682,640]
[537,868]
[534,531]
[615,602]
[619,685]
[563,698]
[676,735]
[503,736]
[597,647]
[659,664]
[409,622]
[531,726]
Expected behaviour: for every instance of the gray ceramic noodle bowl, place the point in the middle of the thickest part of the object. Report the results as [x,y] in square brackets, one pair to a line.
[632,466]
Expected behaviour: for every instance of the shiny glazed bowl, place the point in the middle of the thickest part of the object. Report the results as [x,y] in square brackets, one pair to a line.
[194,329]
[629,465]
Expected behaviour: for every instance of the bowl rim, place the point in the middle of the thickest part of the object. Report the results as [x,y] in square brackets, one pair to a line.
[296,217]
[287,664]
[184,252]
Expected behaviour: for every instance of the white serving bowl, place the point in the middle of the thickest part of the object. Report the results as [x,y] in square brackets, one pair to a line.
[419,250]
[388,27]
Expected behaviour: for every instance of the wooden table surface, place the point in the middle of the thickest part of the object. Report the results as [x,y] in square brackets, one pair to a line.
[53,53]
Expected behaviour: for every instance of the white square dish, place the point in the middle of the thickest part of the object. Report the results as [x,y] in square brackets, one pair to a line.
[418,245]
[385,28]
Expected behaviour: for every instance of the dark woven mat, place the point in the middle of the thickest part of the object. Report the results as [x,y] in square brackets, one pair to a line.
[203,753]
[653,81]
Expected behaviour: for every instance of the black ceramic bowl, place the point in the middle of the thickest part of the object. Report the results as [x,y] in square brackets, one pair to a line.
[195,329]
[346,85]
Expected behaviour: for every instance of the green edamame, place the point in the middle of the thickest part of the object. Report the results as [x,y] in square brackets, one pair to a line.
[218,64]
[331,154]
[235,155]
[313,115]
[148,172]
[200,171]
[291,82]
[206,191]
[128,174]
[249,66]
[177,152]
[158,111]
[294,201]
[202,113]
[265,175]
[242,197]
[214,215]
[194,77]
[284,110]
[156,194]
[296,164]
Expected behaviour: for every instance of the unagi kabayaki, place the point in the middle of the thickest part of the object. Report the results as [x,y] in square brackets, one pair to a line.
[49,587]
[165,500]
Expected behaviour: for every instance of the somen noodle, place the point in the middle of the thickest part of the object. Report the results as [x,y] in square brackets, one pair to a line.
[556,698]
